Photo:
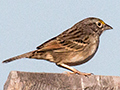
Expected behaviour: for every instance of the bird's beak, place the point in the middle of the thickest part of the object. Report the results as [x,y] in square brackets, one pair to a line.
[107,27]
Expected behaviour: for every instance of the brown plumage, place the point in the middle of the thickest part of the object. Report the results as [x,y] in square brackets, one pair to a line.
[74,46]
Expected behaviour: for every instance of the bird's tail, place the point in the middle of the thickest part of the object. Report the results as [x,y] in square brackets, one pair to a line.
[26,55]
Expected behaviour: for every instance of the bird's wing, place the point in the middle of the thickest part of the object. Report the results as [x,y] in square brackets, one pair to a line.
[73,45]
[74,39]
[70,40]
[60,45]
[51,44]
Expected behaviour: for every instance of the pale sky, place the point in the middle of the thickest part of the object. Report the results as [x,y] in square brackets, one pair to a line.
[25,24]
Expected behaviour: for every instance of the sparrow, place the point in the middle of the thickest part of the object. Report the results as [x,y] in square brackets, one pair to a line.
[75,46]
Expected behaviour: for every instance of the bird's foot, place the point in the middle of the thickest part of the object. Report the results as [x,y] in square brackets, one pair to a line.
[85,74]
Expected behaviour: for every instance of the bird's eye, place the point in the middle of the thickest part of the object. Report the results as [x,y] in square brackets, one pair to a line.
[99,24]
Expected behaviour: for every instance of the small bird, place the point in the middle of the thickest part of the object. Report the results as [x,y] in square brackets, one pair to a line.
[74,46]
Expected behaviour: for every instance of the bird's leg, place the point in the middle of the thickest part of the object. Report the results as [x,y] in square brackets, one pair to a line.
[73,69]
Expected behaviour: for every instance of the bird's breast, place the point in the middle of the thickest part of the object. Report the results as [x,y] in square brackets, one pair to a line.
[85,55]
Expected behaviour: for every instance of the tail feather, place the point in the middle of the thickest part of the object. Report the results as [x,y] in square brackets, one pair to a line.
[26,55]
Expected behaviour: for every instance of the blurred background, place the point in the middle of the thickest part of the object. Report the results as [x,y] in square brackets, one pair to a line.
[25,24]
